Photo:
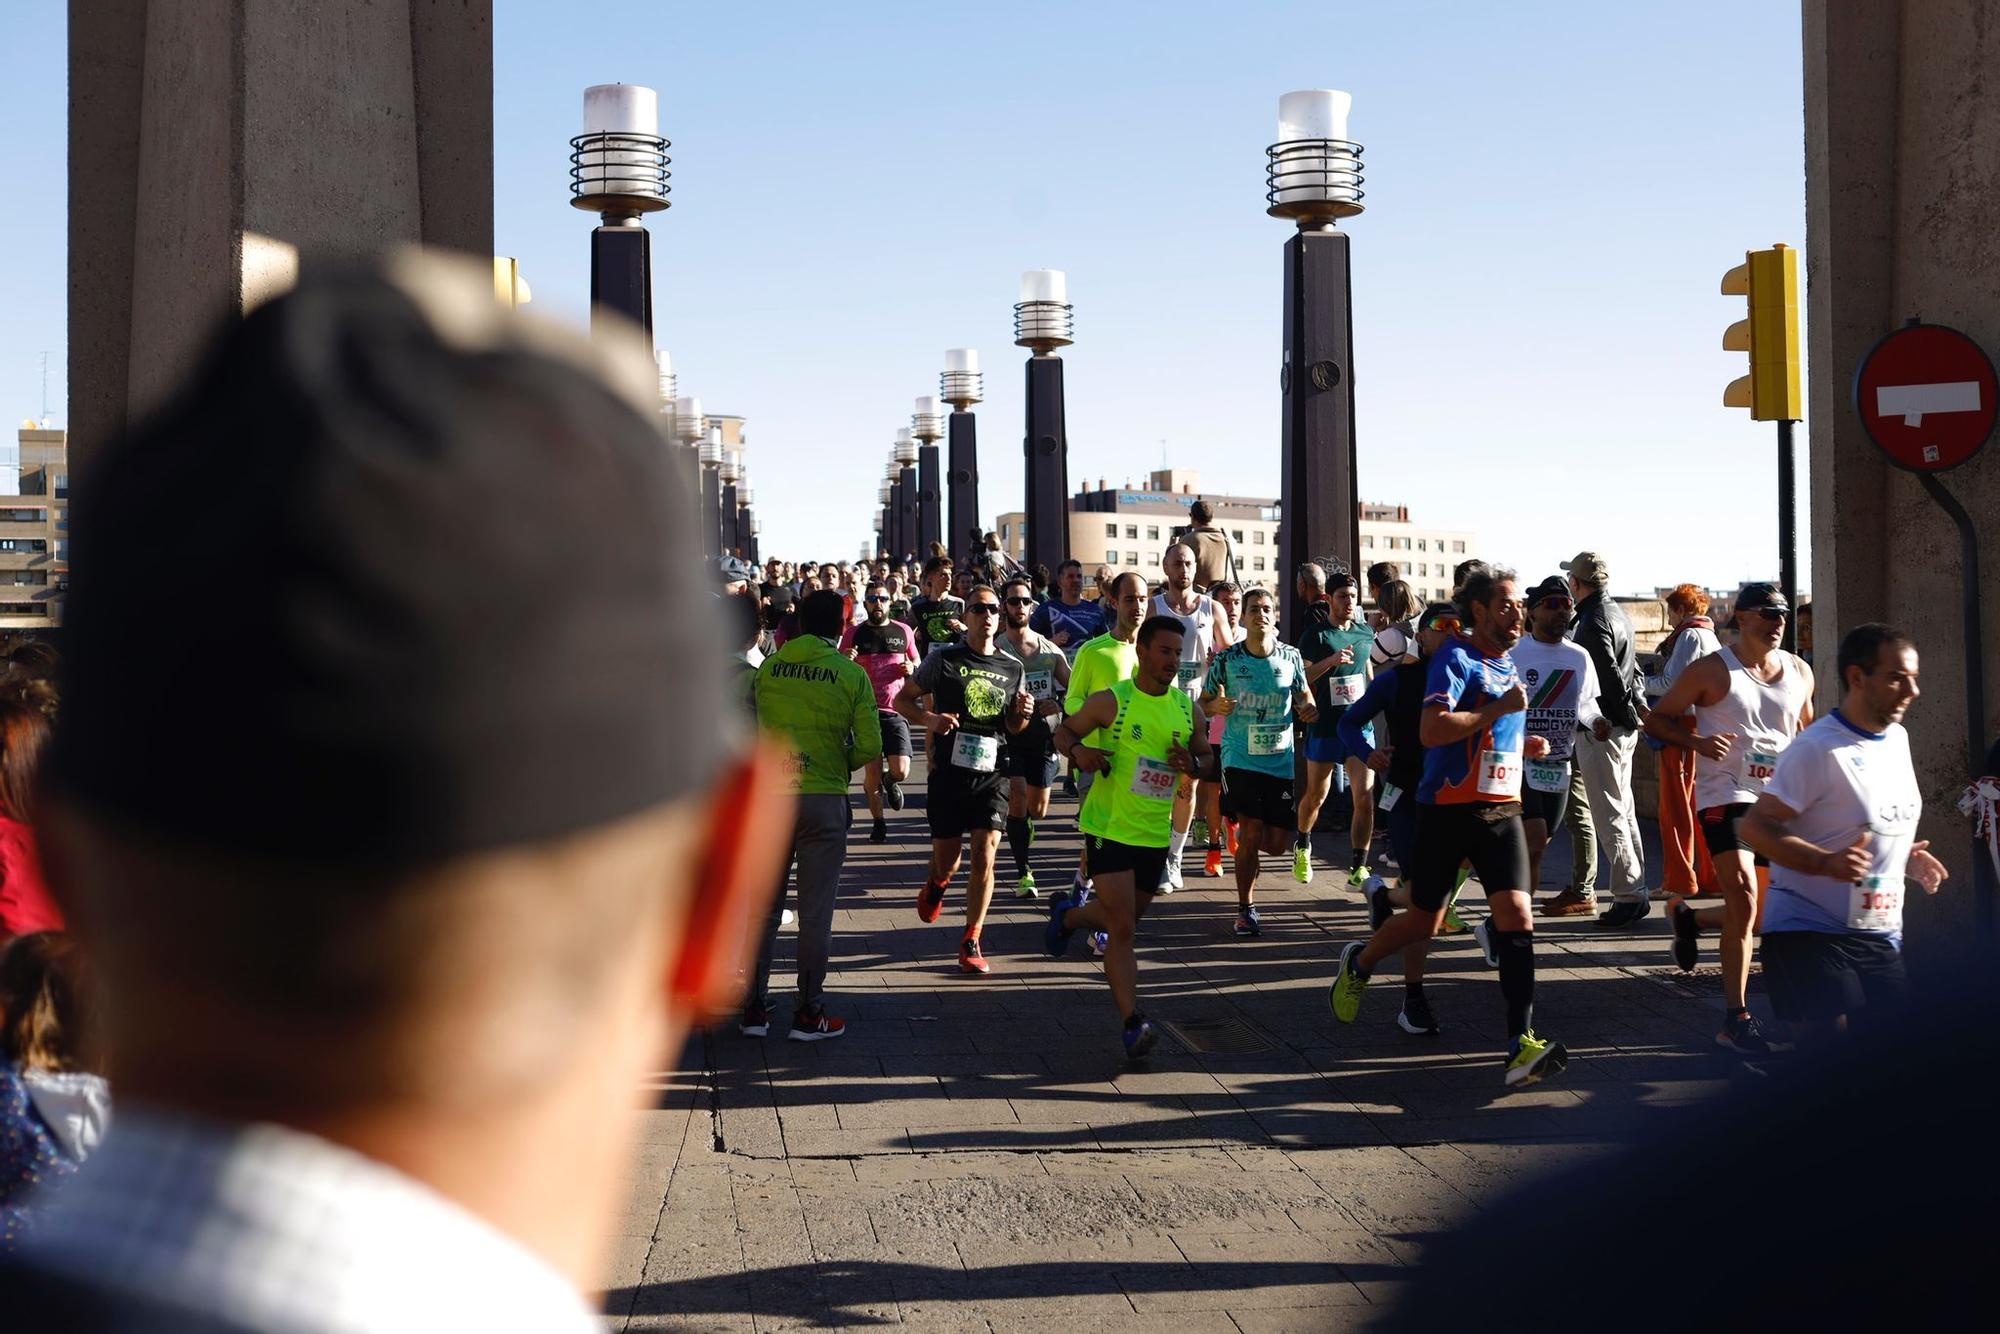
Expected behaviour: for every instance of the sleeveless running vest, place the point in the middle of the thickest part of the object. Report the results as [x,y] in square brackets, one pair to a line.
[1133,801]
[1764,717]
[1196,637]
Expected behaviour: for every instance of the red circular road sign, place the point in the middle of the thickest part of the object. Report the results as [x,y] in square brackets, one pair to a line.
[1926,395]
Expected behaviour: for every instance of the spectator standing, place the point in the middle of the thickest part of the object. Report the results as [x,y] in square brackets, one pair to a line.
[53,1108]
[1606,765]
[1689,869]
[393,1095]
[1214,558]
[820,704]
[25,902]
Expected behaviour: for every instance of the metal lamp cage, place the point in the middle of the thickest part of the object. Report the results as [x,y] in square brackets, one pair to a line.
[619,173]
[1313,179]
[961,389]
[1043,325]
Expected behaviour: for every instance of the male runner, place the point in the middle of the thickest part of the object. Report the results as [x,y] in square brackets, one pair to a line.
[1838,819]
[1149,733]
[937,615]
[1335,647]
[1068,619]
[1750,699]
[1258,688]
[1469,808]
[1202,635]
[1100,663]
[1398,763]
[1229,604]
[968,698]
[1031,761]
[887,650]
[1562,696]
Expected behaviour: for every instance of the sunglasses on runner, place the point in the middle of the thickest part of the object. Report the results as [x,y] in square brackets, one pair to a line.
[983,608]
[1020,602]
[1561,604]
[1449,624]
[1769,613]
[878,597]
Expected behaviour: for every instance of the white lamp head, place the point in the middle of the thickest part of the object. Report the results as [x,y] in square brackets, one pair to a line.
[1313,172]
[1043,316]
[961,385]
[618,165]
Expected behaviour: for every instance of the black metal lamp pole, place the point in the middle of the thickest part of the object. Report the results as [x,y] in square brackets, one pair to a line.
[927,424]
[618,170]
[906,482]
[898,539]
[1042,323]
[961,385]
[711,494]
[1314,179]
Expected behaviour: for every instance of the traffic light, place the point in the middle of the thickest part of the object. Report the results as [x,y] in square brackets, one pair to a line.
[508,284]
[1770,279]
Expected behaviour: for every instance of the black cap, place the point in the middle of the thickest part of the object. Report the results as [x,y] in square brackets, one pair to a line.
[457,614]
[1750,597]
[1555,586]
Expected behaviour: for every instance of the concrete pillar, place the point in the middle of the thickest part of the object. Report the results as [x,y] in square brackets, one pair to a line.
[1903,220]
[215,143]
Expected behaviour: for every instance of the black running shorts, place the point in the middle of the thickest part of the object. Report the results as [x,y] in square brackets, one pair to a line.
[1486,833]
[1820,975]
[1718,829]
[1248,794]
[895,733]
[958,801]
[1031,758]
[1548,807]
[1103,856]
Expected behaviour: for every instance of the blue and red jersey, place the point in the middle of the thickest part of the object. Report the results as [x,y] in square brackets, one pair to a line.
[1462,679]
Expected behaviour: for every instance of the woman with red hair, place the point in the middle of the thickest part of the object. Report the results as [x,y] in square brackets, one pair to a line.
[1688,868]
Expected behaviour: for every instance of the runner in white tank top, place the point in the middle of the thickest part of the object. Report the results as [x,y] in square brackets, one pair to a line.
[1203,626]
[1763,717]
[1749,700]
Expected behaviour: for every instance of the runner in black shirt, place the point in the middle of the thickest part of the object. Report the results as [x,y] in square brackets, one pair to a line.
[968,697]
[937,616]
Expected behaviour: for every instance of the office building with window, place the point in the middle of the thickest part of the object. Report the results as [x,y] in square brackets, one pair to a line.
[1129,527]
[34,530]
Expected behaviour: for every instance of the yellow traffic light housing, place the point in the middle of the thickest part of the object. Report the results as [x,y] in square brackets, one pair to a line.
[1770,281]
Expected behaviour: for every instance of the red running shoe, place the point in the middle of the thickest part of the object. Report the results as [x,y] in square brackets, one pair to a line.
[1212,867]
[930,902]
[970,960]
[1230,826]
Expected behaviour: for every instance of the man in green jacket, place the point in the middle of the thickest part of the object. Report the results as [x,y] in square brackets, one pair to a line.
[819,703]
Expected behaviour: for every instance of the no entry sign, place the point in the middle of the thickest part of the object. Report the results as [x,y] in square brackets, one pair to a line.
[1926,395]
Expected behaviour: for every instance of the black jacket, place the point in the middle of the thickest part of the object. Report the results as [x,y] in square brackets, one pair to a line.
[1605,634]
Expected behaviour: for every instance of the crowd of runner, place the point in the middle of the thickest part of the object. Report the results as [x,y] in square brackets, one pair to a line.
[1464,734]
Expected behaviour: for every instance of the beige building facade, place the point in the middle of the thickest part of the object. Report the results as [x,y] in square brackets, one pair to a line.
[1130,527]
[34,533]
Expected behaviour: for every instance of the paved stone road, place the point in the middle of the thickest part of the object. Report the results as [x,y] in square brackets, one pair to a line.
[976,1154]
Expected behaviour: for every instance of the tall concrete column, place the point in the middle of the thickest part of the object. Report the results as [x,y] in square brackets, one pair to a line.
[1902,123]
[214,144]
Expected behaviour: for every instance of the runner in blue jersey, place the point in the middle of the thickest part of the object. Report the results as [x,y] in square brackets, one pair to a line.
[1258,687]
[1469,809]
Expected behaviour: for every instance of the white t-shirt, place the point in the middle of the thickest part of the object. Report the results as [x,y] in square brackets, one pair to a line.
[1562,691]
[1842,780]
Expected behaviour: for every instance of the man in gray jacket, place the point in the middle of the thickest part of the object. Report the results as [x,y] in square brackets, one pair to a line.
[1606,766]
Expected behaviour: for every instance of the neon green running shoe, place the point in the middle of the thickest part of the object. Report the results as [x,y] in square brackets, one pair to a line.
[1302,865]
[1454,925]
[1024,888]
[1532,1060]
[1357,877]
[1344,996]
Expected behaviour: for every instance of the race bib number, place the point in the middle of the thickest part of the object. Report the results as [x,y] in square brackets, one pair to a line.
[1042,685]
[981,754]
[1760,765]
[1500,774]
[1154,779]
[1270,738]
[1386,799]
[1548,775]
[1346,689]
[1186,675]
[1875,904]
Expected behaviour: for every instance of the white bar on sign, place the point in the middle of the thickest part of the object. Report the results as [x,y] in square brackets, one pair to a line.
[1912,402]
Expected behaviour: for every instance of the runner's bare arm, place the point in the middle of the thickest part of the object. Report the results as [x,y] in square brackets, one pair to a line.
[1704,683]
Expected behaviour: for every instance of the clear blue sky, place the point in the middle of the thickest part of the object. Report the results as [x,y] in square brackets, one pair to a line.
[1553,190]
